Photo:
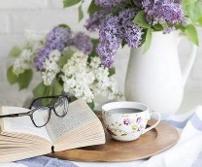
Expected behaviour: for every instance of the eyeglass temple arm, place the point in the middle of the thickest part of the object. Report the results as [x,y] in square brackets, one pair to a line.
[14,115]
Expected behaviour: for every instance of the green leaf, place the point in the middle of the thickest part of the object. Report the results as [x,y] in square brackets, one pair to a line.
[48,91]
[187,2]
[92,105]
[148,39]
[11,76]
[157,27]
[193,9]
[68,3]
[39,90]
[140,20]
[192,34]
[57,88]
[80,10]
[24,79]
[93,8]
[65,57]
[200,21]
[15,52]
[95,43]
[112,71]
[42,90]
[64,26]
[93,53]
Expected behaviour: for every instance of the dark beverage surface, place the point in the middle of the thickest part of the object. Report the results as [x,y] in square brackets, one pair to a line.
[125,110]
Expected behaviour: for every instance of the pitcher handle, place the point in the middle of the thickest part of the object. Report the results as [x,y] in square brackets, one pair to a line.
[153,126]
[186,71]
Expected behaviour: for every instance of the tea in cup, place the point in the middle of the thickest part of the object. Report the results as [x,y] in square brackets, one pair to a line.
[127,121]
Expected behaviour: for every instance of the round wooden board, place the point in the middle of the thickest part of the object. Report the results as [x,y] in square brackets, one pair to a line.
[153,142]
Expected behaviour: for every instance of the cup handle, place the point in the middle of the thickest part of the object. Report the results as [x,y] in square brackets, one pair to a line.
[153,126]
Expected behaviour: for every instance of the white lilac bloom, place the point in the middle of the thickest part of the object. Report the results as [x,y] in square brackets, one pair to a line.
[35,39]
[95,62]
[85,80]
[23,62]
[58,38]
[78,78]
[104,84]
[51,67]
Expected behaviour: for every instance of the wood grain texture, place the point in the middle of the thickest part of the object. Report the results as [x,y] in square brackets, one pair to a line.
[153,142]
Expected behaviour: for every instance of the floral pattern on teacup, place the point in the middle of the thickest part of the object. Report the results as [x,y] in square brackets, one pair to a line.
[123,125]
[127,126]
[126,121]
[139,120]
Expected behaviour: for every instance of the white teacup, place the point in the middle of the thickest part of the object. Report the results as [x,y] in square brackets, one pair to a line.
[127,121]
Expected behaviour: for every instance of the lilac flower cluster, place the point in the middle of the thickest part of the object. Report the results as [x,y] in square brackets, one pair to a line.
[113,31]
[83,43]
[131,33]
[58,39]
[107,3]
[94,21]
[109,40]
[42,55]
[163,11]
[117,27]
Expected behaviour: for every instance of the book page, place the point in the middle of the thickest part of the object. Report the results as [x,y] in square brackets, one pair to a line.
[1,122]
[21,124]
[78,115]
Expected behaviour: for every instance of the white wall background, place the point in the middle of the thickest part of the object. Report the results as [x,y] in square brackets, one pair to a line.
[16,16]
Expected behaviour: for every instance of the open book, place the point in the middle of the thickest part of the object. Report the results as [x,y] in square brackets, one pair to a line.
[20,139]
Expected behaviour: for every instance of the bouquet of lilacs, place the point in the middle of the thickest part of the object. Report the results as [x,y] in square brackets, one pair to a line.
[132,22]
[66,62]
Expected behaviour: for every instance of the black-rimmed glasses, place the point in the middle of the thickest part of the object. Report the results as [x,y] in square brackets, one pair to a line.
[41,109]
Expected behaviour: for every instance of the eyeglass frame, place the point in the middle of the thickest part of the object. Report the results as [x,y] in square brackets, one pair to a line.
[31,112]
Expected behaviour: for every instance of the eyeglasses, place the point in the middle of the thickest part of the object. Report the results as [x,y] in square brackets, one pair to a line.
[41,109]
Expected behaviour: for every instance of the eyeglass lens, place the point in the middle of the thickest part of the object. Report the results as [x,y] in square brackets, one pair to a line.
[41,116]
[61,106]
[42,113]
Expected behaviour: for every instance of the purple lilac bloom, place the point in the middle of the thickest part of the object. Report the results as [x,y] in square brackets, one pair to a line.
[107,3]
[168,30]
[58,38]
[83,43]
[138,3]
[43,54]
[113,30]
[127,15]
[163,11]
[109,35]
[94,21]
[106,54]
[132,35]
[148,4]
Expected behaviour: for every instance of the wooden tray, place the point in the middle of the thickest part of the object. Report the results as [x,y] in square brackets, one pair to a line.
[153,142]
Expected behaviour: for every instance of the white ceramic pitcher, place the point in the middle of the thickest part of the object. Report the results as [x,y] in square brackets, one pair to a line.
[155,77]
